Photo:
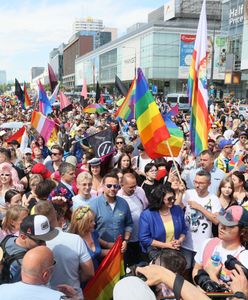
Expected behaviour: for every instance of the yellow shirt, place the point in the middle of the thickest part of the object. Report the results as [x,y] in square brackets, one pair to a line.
[169,229]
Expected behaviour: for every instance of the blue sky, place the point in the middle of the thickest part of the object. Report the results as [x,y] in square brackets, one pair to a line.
[30,29]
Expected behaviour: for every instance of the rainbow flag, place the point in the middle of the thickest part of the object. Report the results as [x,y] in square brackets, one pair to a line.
[44,103]
[197,88]
[176,138]
[27,102]
[42,124]
[151,126]
[111,269]
[126,110]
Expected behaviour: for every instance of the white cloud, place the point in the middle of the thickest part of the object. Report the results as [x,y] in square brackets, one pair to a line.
[27,30]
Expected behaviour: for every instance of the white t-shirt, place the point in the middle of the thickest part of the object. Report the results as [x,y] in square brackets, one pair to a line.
[199,227]
[240,253]
[22,291]
[69,252]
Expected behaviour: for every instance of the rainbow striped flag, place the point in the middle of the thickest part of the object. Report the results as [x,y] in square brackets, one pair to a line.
[42,124]
[27,102]
[197,88]
[176,138]
[126,110]
[111,269]
[151,126]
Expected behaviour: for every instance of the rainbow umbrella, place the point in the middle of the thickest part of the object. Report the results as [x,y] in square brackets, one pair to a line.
[95,108]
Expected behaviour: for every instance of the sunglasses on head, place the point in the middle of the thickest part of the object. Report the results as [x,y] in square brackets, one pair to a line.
[115,186]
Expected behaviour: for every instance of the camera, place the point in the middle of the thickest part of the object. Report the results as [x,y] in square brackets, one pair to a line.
[131,271]
[203,280]
[232,261]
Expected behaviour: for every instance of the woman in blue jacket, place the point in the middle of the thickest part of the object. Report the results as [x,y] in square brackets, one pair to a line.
[162,225]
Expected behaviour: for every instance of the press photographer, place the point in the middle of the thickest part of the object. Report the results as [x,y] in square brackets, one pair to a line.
[220,259]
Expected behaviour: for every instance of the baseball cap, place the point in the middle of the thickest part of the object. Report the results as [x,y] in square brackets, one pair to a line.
[132,287]
[27,150]
[234,215]
[38,228]
[223,143]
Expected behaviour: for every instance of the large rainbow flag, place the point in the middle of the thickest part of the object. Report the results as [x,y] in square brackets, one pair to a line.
[126,110]
[197,88]
[42,124]
[176,138]
[111,269]
[151,126]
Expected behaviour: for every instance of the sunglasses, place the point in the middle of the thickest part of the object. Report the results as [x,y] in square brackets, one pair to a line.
[119,143]
[171,199]
[55,154]
[6,175]
[115,186]
[28,154]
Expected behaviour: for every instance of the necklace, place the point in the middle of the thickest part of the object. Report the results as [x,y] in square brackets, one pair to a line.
[164,213]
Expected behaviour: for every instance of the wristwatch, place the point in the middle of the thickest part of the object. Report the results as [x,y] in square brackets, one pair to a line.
[239,295]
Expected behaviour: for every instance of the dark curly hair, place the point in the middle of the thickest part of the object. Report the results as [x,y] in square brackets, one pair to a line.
[157,195]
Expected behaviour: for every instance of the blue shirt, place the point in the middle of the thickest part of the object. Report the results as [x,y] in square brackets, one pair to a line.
[110,223]
[95,255]
[216,177]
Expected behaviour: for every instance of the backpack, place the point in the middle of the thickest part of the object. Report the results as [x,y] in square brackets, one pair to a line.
[7,259]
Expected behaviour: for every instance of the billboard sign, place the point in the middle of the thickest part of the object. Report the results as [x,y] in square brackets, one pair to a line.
[169,10]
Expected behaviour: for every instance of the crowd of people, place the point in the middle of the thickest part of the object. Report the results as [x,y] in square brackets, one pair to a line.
[62,207]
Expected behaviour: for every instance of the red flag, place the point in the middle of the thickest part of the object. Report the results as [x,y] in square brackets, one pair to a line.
[101,101]
[17,136]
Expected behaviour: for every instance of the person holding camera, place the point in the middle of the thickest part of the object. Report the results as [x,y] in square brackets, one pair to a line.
[220,256]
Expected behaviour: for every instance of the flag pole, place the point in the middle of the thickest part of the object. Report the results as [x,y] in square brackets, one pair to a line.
[174,162]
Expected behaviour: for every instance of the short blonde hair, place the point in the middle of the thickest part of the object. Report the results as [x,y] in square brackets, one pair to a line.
[80,220]
[84,176]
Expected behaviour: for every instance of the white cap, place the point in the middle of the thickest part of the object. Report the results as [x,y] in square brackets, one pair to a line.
[132,287]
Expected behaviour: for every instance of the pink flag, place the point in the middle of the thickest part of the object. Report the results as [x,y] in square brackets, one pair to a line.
[64,101]
[84,90]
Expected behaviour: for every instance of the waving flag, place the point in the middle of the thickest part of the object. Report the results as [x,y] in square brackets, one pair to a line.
[111,269]
[197,88]
[52,78]
[42,124]
[151,126]
[126,110]
[120,86]
[53,97]
[176,138]
[19,92]
[17,135]
[27,102]
[64,101]
[44,103]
